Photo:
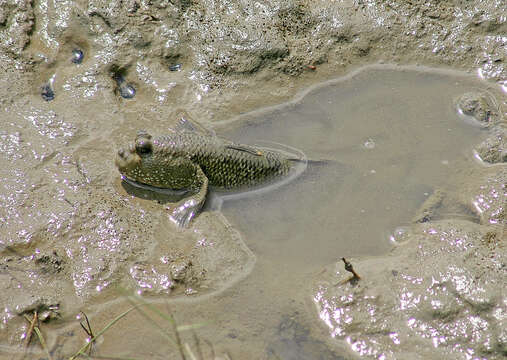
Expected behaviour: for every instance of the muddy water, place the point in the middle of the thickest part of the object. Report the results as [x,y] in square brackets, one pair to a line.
[389,139]
[379,143]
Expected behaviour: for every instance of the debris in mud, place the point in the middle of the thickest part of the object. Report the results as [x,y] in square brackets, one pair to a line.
[49,263]
[47,92]
[181,270]
[479,105]
[493,150]
[350,269]
[46,309]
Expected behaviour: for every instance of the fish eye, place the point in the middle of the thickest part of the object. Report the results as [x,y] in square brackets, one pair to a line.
[143,147]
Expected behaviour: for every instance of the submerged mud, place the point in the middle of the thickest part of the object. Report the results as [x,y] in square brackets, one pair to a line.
[81,77]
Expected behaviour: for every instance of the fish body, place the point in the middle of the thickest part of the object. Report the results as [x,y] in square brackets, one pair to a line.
[193,159]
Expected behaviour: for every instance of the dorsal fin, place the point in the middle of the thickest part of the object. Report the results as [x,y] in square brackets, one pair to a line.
[185,123]
[244,148]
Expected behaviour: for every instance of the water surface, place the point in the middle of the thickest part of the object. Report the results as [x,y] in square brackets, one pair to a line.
[389,138]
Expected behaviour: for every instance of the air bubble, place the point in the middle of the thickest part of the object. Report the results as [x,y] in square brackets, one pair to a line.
[175,67]
[369,144]
[127,91]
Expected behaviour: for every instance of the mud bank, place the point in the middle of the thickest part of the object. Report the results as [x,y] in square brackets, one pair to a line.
[81,77]
[437,294]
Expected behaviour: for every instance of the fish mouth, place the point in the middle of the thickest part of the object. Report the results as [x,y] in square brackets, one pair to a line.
[126,159]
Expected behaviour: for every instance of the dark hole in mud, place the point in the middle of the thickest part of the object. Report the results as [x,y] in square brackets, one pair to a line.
[77,56]
[47,92]
[125,89]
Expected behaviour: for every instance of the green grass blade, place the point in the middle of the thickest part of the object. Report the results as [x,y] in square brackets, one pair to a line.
[111,323]
[42,342]
[151,321]
[190,327]
[107,357]
[168,316]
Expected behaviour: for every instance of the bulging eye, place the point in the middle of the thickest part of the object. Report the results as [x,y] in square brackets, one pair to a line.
[143,146]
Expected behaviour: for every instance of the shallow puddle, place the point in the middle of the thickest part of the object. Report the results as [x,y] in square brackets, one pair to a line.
[389,140]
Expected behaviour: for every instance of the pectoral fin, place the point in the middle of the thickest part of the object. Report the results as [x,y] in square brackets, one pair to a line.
[187,209]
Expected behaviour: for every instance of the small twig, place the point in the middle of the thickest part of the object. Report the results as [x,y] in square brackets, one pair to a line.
[88,332]
[111,323]
[35,328]
[32,323]
[349,268]
[190,352]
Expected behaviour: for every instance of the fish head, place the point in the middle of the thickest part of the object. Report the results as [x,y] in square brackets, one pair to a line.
[153,162]
[131,160]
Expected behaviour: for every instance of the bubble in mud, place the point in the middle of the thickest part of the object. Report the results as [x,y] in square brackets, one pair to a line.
[175,67]
[369,144]
[127,91]
[478,105]
[47,92]
[77,56]
[400,235]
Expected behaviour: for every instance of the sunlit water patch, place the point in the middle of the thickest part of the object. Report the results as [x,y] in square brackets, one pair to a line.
[389,139]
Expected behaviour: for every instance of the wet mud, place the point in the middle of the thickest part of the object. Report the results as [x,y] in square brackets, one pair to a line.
[80,78]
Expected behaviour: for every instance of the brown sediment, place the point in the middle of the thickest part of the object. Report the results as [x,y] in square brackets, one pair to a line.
[60,191]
